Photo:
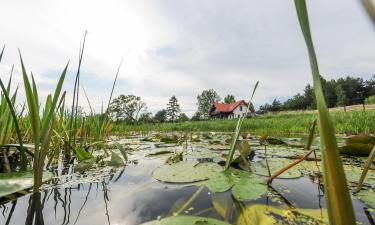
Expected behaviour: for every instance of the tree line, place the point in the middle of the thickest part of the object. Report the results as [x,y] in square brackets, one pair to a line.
[132,109]
[340,92]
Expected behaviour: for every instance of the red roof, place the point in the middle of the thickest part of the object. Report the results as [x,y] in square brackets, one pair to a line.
[222,107]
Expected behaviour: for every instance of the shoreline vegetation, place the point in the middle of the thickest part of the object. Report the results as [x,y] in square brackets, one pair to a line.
[292,123]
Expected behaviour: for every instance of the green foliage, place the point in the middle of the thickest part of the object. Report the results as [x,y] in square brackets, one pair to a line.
[229,99]
[173,109]
[160,116]
[183,117]
[342,100]
[127,108]
[205,100]
[370,100]
[41,124]
[339,204]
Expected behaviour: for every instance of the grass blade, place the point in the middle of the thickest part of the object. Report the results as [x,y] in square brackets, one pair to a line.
[370,159]
[339,204]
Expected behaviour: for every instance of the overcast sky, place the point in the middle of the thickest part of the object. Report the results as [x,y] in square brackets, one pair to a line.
[181,47]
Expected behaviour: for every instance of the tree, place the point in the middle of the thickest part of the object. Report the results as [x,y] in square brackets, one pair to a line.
[342,100]
[205,101]
[183,117]
[173,109]
[145,117]
[197,116]
[161,116]
[276,105]
[229,99]
[127,108]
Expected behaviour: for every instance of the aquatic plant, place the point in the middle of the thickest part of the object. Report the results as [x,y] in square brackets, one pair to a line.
[339,204]
[238,130]
[41,124]
[6,113]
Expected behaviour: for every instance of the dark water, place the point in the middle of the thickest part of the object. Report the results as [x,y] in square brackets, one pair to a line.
[132,196]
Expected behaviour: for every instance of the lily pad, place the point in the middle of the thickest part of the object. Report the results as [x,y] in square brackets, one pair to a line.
[17,181]
[368,197]
[265,214]
[116,160]
[274,164]
[245,186]
[186,220]
[186,172]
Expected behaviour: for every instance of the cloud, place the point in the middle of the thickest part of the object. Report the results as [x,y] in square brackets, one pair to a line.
[183,47]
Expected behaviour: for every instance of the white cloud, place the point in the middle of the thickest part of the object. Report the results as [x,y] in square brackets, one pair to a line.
[182,47]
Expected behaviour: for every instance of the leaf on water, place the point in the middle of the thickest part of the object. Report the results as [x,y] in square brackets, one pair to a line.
[367,196]
[361,139]
[116,160]
[245,186]
[186,220]
[18,181]
[84,165]
[274,164]
[163,152]
[186,172]
[82,154]
[223,204]
[357,149]
[264,214]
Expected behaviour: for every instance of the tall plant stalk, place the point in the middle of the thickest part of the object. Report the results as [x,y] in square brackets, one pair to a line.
[339,204]
[237,132]
[41,126]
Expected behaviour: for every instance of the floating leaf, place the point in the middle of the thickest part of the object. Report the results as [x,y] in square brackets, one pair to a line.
[18,181]
[357,149]
[163,152]
[84,165]
[368,197]
[186,172]
[245,186]
[186,220]
[116,160]
[274,164]
[265,214]
[82,154]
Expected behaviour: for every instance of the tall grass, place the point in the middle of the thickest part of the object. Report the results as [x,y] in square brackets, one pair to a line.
[339,204]
[42,125]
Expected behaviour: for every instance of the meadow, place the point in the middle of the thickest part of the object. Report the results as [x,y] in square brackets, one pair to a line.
[287,124]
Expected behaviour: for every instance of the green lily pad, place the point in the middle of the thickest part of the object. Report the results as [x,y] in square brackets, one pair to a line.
[17,181]
[368,197]
[186,172]
[116,160]
[245,185]
[186,220]
[274,164]
[265,214]
[162,152]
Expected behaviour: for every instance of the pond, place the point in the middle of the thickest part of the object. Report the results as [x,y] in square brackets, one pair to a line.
[142,191]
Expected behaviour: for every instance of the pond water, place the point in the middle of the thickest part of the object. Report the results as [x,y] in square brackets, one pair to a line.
[131,195]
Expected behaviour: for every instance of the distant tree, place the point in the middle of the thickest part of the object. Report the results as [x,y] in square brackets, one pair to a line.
[205,100]
[370,100]
[309,97]
[342,100]
[145,117]
[183,117]
[276,105]
[161,116]
[127,108]
[294,103]
[197,116]
[229,99]
[173,109]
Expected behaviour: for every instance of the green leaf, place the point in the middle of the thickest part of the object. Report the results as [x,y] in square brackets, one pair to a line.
[17,181]
[186,172]
[116,160]
[339,204]
[368,197]
[82,154]
[186,220]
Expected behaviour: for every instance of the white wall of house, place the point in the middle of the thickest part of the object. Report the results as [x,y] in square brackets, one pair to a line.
[239,111]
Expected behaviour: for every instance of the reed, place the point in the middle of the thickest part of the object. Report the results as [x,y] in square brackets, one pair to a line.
[339,204]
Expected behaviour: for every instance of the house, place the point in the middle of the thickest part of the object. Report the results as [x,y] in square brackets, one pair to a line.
[229,111]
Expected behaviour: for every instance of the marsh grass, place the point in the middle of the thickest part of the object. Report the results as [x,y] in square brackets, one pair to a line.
[339,204]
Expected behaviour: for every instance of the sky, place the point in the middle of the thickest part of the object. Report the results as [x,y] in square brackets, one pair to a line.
[183,47]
